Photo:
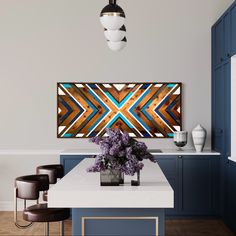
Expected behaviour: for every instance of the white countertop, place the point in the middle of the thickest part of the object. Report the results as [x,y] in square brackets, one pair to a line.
[160,152]
[80,189]
[232,158]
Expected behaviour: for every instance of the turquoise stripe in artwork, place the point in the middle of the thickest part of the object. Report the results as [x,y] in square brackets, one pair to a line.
[144,110]
[67,85]
[119,105]
[171,85]
[67,135]
[123,118]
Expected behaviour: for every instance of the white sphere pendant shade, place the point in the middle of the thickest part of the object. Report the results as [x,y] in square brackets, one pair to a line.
[115,35]
[112,22]
[112,18]
[117,46]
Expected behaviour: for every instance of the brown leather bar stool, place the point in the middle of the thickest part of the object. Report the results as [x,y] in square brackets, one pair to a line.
[54,172]
[28,188]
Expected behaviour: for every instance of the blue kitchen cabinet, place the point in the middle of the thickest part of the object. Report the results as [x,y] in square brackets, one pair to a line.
[218,43]
[227,38]
[233,29]
[231,196]
[70,161]
[221,42]
[221,97]
[227,108]
[226,151]
[218,103]
[199,185]
[169,166]
[221,109]
[221,120]
[195,181]
[224,36]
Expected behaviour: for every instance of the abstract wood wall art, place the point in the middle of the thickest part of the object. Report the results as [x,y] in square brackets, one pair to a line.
[144,110]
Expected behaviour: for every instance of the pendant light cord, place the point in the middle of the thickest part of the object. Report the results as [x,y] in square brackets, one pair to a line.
[112,2]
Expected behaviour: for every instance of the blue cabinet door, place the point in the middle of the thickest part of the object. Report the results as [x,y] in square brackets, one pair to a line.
[227,109]
[195,181]
[199,181]
[70,161]
[221,106]
[218,103]
[231,196]
[221,39]
[218,36]
[227,36]
[169,166]
[233,30]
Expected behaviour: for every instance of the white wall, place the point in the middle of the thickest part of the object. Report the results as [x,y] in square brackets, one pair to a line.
[43,42]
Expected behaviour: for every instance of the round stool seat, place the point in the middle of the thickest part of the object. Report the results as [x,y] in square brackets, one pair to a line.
[41,213]
[53,171]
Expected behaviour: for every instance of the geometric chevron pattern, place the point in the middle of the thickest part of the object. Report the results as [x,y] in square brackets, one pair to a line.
[144,110]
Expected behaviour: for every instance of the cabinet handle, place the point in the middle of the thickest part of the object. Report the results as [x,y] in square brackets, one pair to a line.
[180,156]
[228,55]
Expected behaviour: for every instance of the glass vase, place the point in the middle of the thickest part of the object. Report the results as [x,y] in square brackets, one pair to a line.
[111,177]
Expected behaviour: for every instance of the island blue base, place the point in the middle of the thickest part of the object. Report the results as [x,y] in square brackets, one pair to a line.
[118,222]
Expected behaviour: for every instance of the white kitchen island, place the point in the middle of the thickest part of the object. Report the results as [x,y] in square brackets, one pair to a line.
[119,210]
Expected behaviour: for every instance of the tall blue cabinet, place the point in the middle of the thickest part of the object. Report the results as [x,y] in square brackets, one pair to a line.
[223,48]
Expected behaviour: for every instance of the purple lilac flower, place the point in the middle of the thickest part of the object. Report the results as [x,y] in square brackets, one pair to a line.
[96,140]
[120,152]
[125,139]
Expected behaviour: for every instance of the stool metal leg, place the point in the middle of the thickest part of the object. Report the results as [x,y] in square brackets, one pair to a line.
[61,228]
[46,228]
[15,212]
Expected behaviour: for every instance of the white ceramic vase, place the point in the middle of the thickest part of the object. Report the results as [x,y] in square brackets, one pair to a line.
[199,137]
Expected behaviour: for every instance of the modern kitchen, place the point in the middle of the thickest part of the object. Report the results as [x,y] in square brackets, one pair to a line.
[118,117]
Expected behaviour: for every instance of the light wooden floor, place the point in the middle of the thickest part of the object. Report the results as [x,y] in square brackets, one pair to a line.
[173,227]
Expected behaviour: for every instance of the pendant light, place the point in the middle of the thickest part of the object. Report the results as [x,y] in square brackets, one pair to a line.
[117,46]
[112,18]
[115,35]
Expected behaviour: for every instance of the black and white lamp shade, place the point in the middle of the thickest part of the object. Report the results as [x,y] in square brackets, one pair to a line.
[112,19]
[112,16]
[117,46]
[115,35]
